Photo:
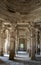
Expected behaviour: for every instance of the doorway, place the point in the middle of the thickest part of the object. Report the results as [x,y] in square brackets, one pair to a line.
[22,44]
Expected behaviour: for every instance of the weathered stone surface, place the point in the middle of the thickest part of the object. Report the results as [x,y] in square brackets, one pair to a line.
[16,15]
[23,6]
[20,7]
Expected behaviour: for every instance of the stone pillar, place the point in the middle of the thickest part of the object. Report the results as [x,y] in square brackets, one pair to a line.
[32,42]
[12,52]
[3,36]
[12,45]
[38,44]
[16,41]
[36,40]
[1,40]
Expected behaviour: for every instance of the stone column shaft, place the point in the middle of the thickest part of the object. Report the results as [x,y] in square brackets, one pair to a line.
[12,46]
[32,44]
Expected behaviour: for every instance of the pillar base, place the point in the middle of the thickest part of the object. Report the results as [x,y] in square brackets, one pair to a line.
[12,54]
[1,53]
[33,58]
[29,53]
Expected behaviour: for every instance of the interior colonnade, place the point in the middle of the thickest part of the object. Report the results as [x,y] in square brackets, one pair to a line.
[19,37]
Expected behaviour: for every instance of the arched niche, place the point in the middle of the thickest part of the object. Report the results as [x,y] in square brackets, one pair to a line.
[6,28]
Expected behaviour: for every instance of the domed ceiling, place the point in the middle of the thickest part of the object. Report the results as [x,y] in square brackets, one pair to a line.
[23,6]
[20,10]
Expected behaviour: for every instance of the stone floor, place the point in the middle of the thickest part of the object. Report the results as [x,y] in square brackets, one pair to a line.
[19,62]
